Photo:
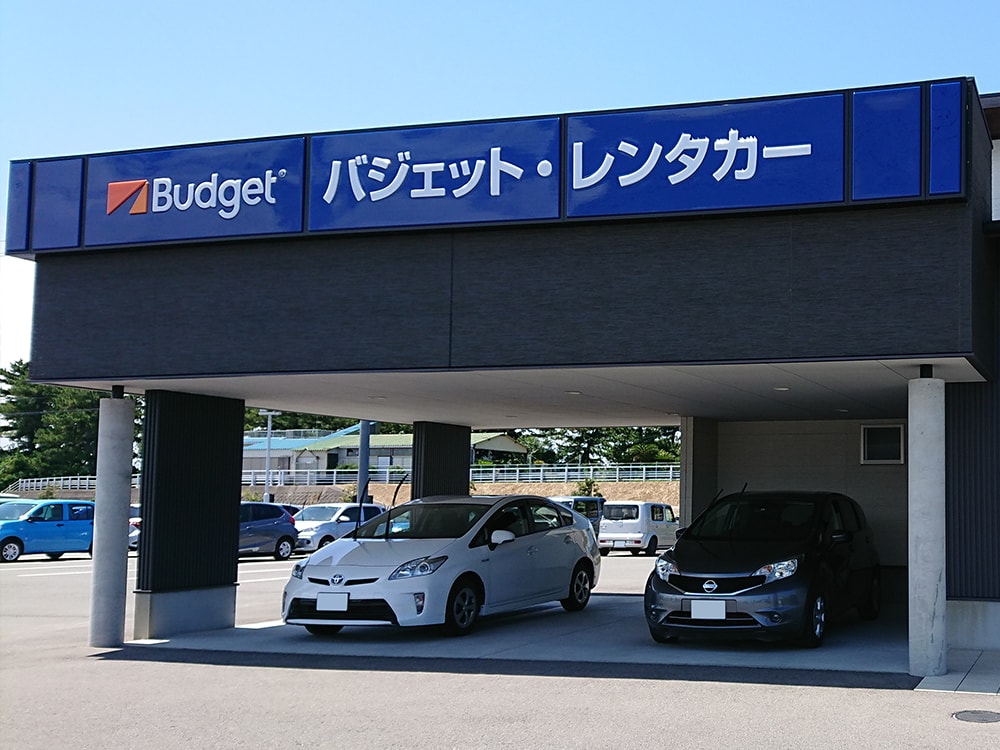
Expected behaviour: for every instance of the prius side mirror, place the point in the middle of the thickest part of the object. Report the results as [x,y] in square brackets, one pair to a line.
[680,532]
[501,536]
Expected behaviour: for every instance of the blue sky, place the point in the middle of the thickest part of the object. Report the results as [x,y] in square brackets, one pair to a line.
[79,78]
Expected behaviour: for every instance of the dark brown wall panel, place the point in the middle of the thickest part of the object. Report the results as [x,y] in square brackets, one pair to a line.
[191,462]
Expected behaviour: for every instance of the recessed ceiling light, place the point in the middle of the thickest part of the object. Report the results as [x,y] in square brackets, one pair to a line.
[378,398]
[573,393]
[782,388]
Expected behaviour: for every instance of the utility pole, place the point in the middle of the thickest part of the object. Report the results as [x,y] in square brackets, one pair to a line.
[267,458]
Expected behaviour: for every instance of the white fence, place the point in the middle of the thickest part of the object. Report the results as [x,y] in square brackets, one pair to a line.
[504,474]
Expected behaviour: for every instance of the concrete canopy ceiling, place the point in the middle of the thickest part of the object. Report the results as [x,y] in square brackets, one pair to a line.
[637,395]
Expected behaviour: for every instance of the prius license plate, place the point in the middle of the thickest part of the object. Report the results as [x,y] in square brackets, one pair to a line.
[708,609]
[329,602]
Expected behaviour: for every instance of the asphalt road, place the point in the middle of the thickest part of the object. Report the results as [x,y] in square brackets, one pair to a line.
[57,692]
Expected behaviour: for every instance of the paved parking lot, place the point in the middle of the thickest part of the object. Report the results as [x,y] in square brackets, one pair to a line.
[542,677]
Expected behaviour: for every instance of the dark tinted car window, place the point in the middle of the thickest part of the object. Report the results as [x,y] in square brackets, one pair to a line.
[510,517]
[565,515]
[621,512]
[543,516]
[370,513]
[349,514]
[245,514]
[268,512]
[848,516]
[430,521]
[49,513]
[588,508]
[79,512]
[756,518]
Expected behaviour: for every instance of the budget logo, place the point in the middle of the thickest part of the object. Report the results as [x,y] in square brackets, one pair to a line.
[120,192]
[227,197]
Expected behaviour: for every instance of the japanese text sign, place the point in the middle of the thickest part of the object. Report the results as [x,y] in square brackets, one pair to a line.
[485,172]
[725,156]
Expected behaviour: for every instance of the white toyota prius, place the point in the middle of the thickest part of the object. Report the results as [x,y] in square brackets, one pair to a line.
[446,561]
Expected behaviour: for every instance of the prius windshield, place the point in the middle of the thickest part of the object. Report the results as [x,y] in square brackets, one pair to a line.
[764,519]
[424,521]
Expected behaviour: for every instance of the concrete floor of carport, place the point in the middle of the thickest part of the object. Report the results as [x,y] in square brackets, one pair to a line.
[608,639]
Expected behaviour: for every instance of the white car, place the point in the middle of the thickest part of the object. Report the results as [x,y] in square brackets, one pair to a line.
[320,524]
[446,561]
[637,526]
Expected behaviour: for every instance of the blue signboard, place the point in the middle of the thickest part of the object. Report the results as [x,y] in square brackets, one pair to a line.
[893,143]
[768,153]
[188,193]
[482,172]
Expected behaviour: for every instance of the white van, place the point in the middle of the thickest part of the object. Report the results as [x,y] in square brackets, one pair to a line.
[637,526]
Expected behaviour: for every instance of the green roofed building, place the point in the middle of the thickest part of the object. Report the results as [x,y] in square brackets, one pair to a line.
[339,450]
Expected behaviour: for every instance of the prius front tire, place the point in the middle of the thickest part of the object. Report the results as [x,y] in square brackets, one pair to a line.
[463,607]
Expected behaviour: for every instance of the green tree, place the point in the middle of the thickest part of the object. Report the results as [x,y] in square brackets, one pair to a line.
[46,430]
[642,445]
[602,444]
[253,420]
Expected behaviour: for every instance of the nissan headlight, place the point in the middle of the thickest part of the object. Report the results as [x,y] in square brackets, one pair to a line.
[665,567]
[422,566]
[778,570]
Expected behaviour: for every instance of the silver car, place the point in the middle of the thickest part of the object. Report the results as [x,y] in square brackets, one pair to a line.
[320,524]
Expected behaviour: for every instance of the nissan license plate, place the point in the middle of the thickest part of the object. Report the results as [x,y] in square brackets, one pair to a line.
[331,602]
[708,609]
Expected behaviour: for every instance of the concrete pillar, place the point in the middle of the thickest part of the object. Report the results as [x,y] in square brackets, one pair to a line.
[699,466]
[109,585]
[926,517]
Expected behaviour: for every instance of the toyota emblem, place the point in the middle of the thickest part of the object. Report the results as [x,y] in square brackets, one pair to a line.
[337,580]
[709,586]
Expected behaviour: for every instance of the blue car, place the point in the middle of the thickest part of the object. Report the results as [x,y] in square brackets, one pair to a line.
[50,527]
[267,529]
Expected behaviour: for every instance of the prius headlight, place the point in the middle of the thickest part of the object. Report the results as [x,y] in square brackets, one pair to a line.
[422,566]
[298,569]
[778,570]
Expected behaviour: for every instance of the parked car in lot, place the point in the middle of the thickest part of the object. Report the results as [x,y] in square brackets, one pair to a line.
[766,565]
[267,529]
[587,506]
[50,527]
[134,525]
[446,561]
[320,524]
[636,526]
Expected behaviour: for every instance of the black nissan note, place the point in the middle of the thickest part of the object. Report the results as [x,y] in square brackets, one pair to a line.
[766,565]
